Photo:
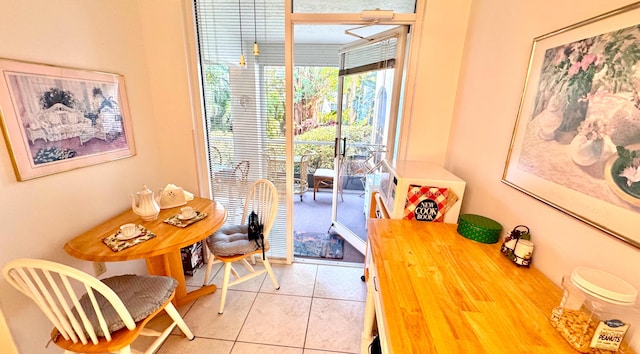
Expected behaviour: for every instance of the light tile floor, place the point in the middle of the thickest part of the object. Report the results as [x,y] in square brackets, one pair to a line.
[319,309]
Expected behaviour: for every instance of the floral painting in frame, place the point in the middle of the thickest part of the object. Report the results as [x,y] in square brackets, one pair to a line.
[56,119]
[576,142]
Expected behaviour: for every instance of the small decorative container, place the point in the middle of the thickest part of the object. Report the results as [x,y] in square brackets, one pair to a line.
[517,246]
[479,228]
[598,312]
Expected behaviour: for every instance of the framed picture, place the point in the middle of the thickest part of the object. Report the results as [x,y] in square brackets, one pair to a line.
[55,119]
[576,141]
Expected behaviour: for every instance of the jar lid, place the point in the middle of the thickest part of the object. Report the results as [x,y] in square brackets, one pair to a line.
[604,286]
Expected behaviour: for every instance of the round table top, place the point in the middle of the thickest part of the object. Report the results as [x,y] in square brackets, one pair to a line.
[89,246]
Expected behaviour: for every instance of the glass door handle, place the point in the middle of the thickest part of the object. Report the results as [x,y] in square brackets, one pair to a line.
[344,147]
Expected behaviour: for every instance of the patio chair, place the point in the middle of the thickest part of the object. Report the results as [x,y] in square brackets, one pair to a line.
[276,168]
[231,243]
[216,156]
[241,170]
[301,184]
[323,178]
[238,188]
[110,315]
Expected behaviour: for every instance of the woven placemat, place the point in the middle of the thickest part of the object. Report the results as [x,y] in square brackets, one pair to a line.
[116,243]
[177,221]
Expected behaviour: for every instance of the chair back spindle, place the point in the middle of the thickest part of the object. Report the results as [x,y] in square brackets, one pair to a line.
[53,287]
[263,199]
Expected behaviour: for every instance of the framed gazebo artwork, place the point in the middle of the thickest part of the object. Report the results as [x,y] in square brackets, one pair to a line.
[56,119]
[576,141]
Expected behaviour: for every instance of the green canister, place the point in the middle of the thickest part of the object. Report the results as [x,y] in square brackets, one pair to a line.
[479,228]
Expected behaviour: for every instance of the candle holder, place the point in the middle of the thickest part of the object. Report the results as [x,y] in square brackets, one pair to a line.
[517,246]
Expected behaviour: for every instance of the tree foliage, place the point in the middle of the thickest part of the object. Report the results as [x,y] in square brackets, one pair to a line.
[275,100]
[324,153]
[315,99]
[359,100]
[219,100]
[313,86]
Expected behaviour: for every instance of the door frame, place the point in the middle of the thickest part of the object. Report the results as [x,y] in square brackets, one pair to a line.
[399,32]
[415,20]
[291,19]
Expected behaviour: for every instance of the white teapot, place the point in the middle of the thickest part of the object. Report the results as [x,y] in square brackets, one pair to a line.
[145,203]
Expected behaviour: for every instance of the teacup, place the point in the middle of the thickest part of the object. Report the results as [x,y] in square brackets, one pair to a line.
[128,230]
[187,212]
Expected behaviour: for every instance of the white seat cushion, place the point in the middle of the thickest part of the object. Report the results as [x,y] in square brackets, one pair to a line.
[324,172]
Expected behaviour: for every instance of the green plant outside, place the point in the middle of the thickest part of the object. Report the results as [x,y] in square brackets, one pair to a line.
[324,153]
[314,85]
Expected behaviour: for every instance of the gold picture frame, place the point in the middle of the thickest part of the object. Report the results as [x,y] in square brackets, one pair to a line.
[577,132]
[56,119]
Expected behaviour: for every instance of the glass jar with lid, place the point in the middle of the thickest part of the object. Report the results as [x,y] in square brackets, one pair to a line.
[598,312]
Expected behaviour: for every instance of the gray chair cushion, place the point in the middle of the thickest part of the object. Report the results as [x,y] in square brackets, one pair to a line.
[231,240]
[141,295]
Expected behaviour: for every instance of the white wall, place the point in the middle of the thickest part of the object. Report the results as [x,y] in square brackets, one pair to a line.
[435,72]
[6,341]
[166,41]
[492,77]
[40,215]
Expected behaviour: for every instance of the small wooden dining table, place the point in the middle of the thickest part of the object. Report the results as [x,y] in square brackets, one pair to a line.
[161,253]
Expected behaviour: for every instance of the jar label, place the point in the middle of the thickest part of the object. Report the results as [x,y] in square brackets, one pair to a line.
[609,335]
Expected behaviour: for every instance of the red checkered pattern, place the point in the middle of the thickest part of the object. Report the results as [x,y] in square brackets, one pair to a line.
[425,203]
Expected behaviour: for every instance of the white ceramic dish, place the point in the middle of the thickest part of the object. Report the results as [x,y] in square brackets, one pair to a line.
[122,237]
[172,205]
[181,217]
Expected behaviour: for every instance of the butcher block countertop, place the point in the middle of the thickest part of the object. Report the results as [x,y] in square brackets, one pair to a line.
[443,293]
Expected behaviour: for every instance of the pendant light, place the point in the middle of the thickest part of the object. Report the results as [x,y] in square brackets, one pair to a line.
[242,61]
[256,50]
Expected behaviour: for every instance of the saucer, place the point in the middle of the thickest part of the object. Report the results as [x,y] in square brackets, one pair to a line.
[187,217]
[121,237]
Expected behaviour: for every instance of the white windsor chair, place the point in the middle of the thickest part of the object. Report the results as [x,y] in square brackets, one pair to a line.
[231,243]
[109,316]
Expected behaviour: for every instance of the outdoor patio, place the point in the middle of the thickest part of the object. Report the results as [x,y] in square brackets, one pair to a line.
[315,216]
[309,215]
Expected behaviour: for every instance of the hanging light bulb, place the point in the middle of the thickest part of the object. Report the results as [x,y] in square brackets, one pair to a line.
[242,63]
[256,50]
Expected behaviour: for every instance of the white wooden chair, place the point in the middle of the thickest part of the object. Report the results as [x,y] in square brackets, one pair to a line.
[231,243]
[109,316]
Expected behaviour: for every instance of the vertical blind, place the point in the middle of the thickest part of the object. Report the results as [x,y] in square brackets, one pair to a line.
[244,105]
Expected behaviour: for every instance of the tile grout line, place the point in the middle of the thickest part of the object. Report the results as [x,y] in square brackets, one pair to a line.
[312,297]
[313,291]
[244,322]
